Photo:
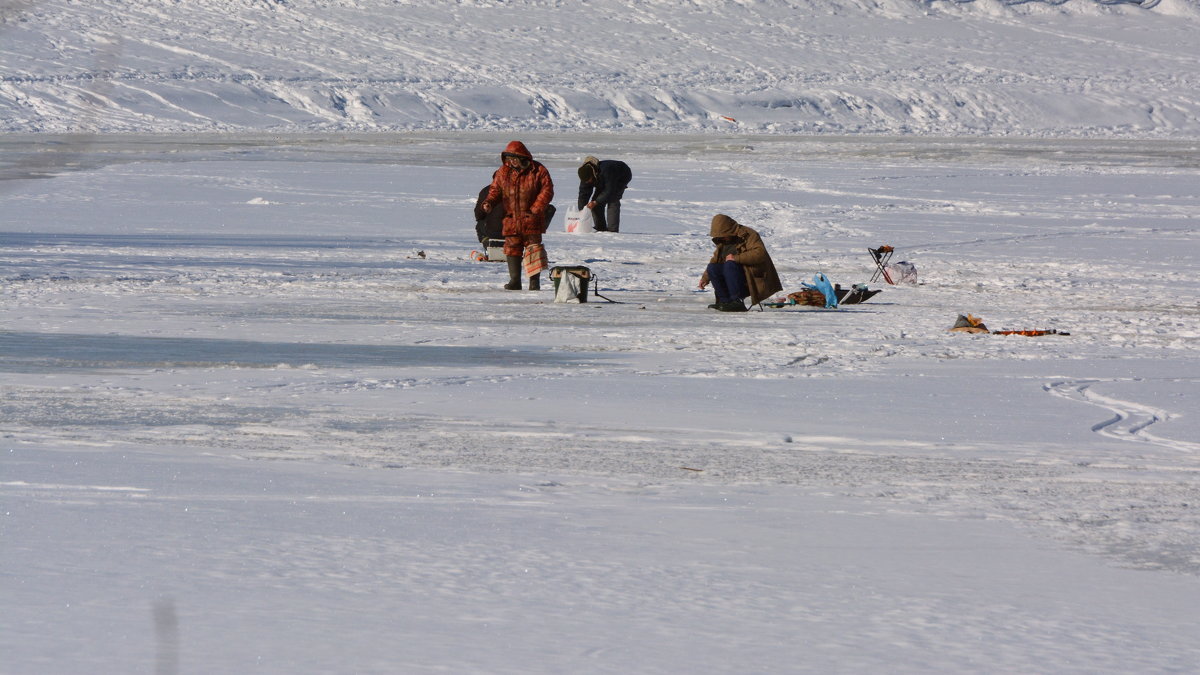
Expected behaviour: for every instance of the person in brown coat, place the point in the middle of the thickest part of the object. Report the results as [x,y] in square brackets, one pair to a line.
[740,266]
[525,189]
[488,224]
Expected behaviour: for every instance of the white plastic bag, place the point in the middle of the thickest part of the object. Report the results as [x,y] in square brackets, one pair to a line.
[570,283]
[579,222]
[902,272]
[568,288]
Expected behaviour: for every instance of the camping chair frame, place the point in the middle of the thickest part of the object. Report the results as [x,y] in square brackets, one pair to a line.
[881,256]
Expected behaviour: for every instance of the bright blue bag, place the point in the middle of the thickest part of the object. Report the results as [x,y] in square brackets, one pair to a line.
[821,283]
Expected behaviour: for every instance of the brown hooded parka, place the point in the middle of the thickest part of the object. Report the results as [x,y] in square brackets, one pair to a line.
[750,253]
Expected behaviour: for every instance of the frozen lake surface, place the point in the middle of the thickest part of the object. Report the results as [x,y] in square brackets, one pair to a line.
[235,397]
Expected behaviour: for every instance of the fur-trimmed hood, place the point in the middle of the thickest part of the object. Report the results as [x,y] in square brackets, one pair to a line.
[516,148]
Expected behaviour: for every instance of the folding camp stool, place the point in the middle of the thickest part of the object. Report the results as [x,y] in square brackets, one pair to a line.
[881,256]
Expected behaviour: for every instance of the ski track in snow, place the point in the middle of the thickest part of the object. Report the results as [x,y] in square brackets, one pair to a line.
[1130,421]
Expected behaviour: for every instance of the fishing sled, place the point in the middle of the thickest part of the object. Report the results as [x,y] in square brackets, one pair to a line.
[813,297]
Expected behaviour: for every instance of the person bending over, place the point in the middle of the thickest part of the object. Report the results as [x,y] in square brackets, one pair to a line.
[601,185]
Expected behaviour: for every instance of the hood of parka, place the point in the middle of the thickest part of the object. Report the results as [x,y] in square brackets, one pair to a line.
[516,148]
[723,226]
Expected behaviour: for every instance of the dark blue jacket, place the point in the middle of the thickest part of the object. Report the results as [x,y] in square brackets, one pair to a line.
[610,184]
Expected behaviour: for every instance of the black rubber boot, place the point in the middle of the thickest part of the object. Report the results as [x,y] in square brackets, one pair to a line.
[535,282]
[732,306]
[514,273]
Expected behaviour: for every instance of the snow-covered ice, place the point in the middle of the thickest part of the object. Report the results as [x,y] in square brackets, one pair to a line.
[246,427]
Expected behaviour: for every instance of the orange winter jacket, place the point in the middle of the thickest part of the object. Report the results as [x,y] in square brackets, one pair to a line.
[526,193]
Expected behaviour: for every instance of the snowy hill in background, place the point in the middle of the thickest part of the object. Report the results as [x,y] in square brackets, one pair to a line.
[1074,68]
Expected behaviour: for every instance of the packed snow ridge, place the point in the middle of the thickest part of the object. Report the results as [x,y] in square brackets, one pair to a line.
[766,66]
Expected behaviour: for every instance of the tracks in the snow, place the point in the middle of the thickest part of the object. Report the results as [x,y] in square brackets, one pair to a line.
[1130,420]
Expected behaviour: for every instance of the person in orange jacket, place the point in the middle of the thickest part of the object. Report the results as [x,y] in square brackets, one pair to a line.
[525,189]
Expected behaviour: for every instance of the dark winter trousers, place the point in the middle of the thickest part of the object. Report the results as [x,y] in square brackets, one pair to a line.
[609,217]
[728,280]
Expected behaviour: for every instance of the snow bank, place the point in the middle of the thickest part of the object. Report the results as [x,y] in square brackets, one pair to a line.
[1078,68]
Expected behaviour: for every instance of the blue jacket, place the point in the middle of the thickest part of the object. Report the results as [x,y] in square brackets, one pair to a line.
[612,178]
